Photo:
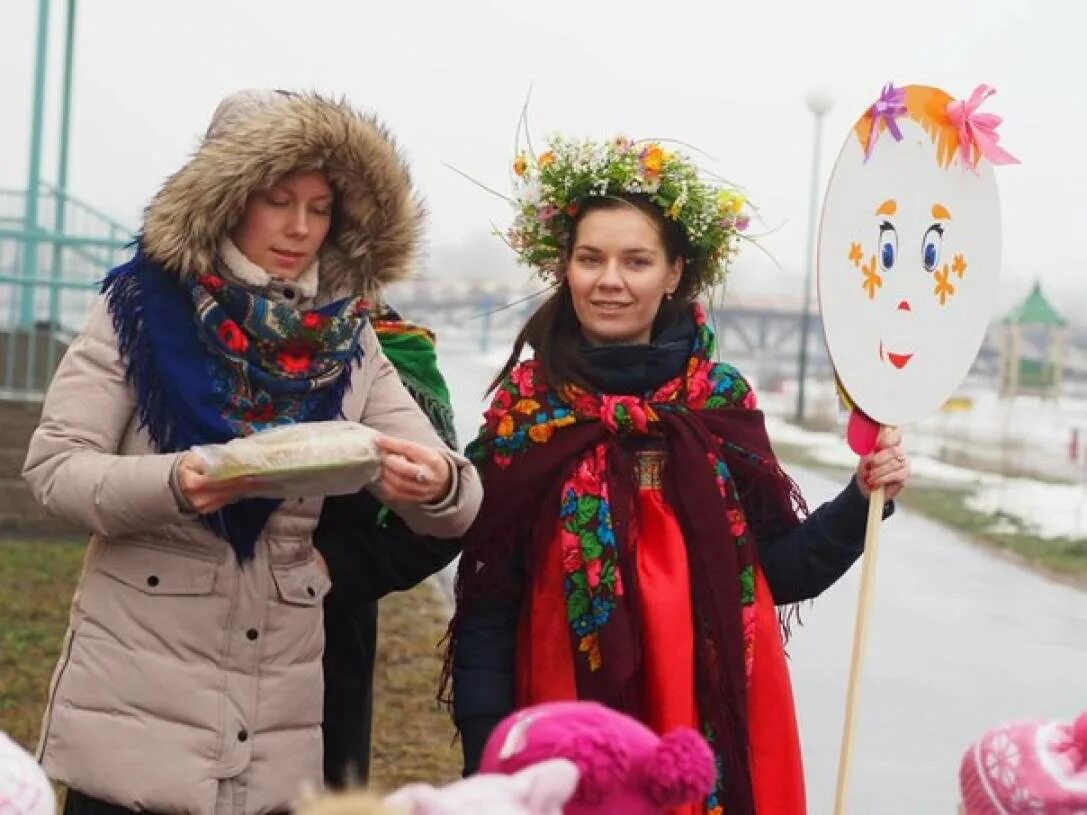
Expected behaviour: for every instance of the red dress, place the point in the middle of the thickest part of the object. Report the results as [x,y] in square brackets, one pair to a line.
[545,663]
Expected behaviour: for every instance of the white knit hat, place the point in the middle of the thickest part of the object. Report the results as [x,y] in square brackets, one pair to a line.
[24,789]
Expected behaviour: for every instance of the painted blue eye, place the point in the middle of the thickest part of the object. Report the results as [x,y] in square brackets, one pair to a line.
[888,256]
[888,246]
[930,247]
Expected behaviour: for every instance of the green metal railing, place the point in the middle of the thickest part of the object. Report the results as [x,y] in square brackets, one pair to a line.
[53,249]
[48,278]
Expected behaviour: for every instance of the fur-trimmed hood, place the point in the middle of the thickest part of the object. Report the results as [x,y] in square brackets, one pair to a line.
[258,137]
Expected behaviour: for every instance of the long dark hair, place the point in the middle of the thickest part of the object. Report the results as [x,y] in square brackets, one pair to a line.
[554,331]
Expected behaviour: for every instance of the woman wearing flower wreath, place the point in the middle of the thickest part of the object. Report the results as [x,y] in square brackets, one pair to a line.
[637,532]
[190,678]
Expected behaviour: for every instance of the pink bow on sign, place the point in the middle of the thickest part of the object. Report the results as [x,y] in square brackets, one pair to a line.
[890,105]
[978,129]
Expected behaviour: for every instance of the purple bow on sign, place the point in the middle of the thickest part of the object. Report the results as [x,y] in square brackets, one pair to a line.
[890,105]
[978,130]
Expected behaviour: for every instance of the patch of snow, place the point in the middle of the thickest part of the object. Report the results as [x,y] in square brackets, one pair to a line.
[1046,510]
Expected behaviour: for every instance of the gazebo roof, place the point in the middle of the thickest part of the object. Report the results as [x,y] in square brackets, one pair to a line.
[1035,310]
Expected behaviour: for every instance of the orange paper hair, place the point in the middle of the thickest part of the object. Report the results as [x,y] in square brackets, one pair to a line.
[928,107]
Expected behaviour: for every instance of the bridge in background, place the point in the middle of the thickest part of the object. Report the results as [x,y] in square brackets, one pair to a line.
[763,332]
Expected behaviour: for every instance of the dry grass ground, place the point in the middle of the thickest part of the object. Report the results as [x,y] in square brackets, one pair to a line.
[413,738]
[36,582]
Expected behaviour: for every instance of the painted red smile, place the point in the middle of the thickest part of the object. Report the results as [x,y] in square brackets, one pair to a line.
[899,360]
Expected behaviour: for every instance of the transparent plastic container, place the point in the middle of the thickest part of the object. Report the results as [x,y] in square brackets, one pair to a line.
[298,460]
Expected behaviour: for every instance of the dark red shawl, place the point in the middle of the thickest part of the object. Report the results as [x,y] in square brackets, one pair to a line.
[567,455]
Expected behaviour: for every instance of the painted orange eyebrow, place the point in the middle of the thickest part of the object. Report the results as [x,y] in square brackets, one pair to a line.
[940,213]
[888,207]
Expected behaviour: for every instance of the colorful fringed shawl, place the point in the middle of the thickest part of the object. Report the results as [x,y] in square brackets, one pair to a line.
[566,455]
[211,361]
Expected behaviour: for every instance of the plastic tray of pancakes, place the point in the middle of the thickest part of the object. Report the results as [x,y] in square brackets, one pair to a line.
[297,460]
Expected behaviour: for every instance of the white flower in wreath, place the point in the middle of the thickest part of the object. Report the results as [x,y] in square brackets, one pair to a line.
[530,192]
[1025,802]
[1002,760]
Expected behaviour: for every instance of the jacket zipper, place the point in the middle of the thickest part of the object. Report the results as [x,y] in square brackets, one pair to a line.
[51,707]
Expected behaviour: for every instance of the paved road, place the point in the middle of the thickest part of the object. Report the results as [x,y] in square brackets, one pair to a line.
[960,641]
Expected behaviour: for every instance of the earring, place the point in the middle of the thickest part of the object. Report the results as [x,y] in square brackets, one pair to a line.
[668,295]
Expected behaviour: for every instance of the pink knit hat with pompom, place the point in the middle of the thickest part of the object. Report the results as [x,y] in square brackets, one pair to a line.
[1036,767]
[624,766]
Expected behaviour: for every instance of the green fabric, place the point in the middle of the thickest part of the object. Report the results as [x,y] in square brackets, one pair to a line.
[414,357]
[410,349]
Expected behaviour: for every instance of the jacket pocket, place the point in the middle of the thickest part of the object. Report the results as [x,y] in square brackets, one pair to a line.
[156,571]
[301,584]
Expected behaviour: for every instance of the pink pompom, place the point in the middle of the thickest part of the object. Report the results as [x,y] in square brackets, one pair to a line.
[1079,735]
[681,769]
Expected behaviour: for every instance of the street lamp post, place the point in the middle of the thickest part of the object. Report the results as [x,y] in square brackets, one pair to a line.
[819,103]
[56,271]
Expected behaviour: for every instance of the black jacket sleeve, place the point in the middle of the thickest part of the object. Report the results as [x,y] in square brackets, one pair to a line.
[483,668]
[368,557]
[802,563]
[483,675]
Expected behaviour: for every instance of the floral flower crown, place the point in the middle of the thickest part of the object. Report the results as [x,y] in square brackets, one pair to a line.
[550,188]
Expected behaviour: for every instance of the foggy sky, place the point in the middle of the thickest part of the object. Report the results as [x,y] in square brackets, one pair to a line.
[450,78]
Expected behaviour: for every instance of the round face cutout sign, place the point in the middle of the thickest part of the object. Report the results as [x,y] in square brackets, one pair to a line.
[909,252]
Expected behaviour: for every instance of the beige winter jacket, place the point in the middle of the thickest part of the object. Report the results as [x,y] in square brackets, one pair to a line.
[189,683]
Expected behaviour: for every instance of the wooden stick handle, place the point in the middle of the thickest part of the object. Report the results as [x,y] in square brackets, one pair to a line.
[860,637]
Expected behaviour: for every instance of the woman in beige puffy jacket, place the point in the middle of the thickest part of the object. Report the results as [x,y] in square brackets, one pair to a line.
[190,678]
